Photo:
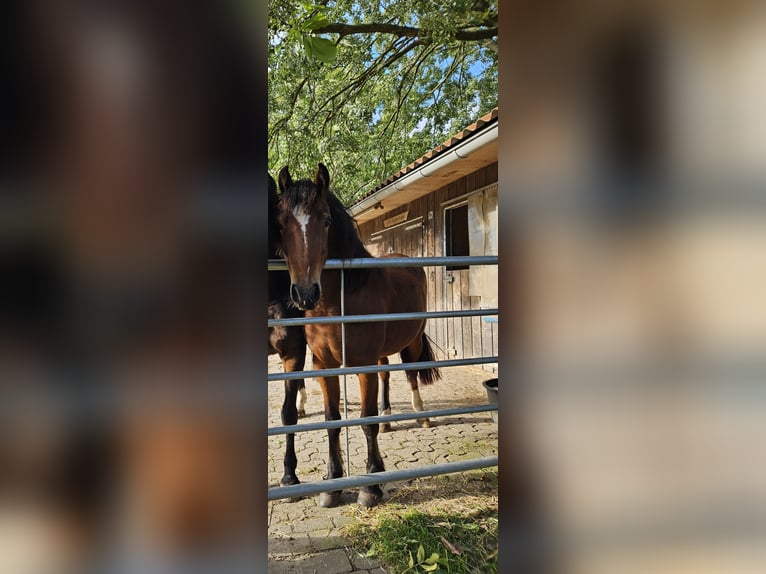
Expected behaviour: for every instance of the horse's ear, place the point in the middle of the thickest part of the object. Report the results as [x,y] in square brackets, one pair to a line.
[285,181]
[322,179]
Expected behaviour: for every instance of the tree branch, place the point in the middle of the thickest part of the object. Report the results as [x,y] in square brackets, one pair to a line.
[474,35]
[384,61]
[464,35]
[374,28]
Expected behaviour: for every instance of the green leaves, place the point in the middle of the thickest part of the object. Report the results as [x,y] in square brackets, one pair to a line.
[430,564]
[316,47]
[317,20]
[319,48]
[366,104]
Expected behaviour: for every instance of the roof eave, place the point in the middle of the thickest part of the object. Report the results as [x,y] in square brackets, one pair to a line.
[460,152]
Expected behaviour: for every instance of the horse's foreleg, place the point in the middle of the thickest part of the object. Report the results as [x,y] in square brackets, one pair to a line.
[384,402]
[368,384]
[331,392]
[290,417]
[297,351]
[292,363]
[302,399]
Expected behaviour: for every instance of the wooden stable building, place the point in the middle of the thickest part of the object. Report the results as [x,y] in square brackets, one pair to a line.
[445,203]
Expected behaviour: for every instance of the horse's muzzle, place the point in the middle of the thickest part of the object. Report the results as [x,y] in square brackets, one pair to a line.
[305,297]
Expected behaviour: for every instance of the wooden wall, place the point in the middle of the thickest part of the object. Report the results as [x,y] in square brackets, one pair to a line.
[447,290]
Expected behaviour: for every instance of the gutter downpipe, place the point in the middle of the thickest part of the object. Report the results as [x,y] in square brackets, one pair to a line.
[459,152]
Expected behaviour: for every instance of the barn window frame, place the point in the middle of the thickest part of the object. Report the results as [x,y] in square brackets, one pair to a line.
[449,249]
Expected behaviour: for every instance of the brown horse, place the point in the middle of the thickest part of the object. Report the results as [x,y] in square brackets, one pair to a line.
[315,226]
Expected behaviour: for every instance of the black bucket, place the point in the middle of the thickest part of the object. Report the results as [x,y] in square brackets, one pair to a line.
[491,386]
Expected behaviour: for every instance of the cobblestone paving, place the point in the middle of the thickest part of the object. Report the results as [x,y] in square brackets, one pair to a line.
[305,538]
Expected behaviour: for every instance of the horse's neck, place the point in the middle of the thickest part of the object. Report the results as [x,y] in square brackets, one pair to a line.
[349,282]
[357,250]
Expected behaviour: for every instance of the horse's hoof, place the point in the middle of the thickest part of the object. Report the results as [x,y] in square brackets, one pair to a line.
[385,427]
[301,414]
[329,499]
[290,482]
[368,499]
[424,423]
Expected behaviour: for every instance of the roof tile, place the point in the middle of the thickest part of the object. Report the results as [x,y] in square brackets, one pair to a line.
[478,125]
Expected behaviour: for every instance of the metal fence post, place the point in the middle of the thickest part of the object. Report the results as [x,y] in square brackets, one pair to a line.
[343,361]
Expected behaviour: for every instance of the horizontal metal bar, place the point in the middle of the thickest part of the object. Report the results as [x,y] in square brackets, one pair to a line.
[312,488]
[340,371]
[380,317]
[323,425]
[383,262]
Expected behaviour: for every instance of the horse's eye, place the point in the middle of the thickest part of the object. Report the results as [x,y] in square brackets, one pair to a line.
[328,222]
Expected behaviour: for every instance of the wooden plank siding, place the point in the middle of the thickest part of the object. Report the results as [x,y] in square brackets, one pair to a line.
[453,338]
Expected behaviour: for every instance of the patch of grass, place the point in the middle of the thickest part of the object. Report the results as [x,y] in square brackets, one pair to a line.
[456,535]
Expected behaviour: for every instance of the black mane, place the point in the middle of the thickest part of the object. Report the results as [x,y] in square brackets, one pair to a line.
[345,233]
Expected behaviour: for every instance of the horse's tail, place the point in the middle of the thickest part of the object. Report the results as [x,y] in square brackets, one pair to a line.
[427,375]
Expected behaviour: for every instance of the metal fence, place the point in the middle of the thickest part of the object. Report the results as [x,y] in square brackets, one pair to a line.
[312,488]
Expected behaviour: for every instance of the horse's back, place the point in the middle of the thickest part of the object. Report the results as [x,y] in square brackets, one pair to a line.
[398,290]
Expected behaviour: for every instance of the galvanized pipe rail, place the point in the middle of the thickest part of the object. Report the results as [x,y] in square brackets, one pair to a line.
[312,488]
[341,371]
[373,317]
[324,425]
[382,262]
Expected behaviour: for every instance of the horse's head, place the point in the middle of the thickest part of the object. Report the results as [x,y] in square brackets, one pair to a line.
[304,217]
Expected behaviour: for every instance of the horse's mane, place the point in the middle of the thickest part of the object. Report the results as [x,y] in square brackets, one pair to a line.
[345,242]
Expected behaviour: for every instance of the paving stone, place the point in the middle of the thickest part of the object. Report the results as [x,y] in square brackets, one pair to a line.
[327,542]
[340,521]
[312,524]
[280,529]
[290,546]
[330,562]
[280,566]
[361,562]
